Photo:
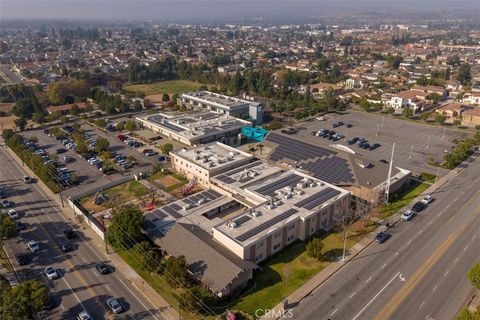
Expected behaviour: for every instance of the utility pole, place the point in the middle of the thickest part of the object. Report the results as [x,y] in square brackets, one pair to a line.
[411,152]
[344,245]
[387,190]
[383,120]
[444,131]
[378,128]
[428,143]
[105,235]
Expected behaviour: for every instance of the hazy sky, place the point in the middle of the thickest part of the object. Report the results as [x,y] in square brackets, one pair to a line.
[208,10]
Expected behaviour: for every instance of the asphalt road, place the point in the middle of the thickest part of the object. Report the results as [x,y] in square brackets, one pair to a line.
[80,286]
[427,141]
[419,272]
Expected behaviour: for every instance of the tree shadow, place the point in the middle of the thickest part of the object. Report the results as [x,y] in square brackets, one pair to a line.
[333,254]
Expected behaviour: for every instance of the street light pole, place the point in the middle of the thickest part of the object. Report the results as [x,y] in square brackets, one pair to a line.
[378,128]
[411,152]
[444,131]
[428,143]
[436,178]
[344,245]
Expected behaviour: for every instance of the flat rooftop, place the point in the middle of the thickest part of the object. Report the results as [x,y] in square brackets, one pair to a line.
[218,99]
[213,155]
[289,196]
[195,124]
[189,210]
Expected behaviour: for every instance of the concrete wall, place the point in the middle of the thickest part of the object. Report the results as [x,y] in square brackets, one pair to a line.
[87,218]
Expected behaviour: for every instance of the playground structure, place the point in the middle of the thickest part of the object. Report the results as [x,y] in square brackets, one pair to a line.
[257,134]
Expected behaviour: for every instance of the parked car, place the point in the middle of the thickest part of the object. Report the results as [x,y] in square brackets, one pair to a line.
[407,215]
[66,246]
[320,118]
[84,316]
[61,150]
[114,305]
[6,204]
[27,179]
[102,268]
[162,158]
[383,161]
[67,159]
[69,233]
[419,206]
[33,246]
[349,125]
[381,237]
[51,273]
[21,259]
[13,214]
[427,199]
[149,152]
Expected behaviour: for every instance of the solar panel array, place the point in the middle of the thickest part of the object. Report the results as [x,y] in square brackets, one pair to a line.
[317,198]
[172,212]
[242,220]
[294,149]
[170,125]
[269,189]
[326,166]
[173,209]
[225,179]
[264,226]
[334,170]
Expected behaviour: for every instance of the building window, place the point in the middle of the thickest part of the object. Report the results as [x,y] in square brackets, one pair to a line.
[259,257]
[260,245]
[290,238]
[291,227]
[276,247]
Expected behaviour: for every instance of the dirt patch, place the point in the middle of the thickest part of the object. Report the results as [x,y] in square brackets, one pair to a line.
[6,107]
[167,181]
[7,122]
[92,207]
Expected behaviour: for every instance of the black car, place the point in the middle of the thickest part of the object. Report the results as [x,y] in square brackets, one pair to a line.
[383,161]
[102,268]
[419,206]
[349,125]
[21,259]
[70,234]
[381,237]
[20,225]
[66,246]
[61,150]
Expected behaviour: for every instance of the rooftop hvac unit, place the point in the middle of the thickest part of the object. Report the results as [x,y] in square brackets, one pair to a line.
[277,203]
[301,185]
[205,159]
[287,195]
[312,184]
[231,224]
[186,206]
[268,207]
[288,189]
[256,213]
[300,192]
[201,201]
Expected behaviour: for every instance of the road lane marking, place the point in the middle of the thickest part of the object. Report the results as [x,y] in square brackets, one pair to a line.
[456,260]
[420,232]
[384,265]
[373,299]
[474,236]
[409,242]
[456,198]
[430,222]
[63,308]
[108,288]
[97,253]
[445,274]
[397,253]
[465,248]
[334,311]
[351,296]
[368,280]
[400,295]
[421,305]
[434,288]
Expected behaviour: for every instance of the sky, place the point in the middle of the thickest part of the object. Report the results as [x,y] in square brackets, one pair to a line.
[211,10]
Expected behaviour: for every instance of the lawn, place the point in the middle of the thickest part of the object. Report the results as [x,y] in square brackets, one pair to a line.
[127,191]
[428,177]
[271,285]
[404,198]
[169,87]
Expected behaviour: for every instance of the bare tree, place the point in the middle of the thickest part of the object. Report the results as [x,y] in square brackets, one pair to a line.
[368,204]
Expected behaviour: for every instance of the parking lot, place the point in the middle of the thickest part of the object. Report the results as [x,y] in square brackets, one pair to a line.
[89,176]
[415,144]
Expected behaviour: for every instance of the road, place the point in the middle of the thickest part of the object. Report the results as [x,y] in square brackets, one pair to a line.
[80,286]
[419,272]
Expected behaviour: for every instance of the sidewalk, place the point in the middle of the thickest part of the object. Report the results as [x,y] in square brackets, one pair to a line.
[309,287]
[92,239]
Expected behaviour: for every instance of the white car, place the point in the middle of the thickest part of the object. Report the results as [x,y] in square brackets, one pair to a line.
[27,179]
[84,316]
[114,305]
[427,199]
[51,273]
[407,215]
[13,214]
[33,246]
[5,203]
[320,118]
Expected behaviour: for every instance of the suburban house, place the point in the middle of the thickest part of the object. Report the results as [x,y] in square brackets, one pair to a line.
[471,118]
[471,98]
[65,108]
[322,88]
[454,109]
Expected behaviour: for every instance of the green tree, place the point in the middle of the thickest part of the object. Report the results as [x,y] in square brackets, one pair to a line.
[38,117]
[176,269]
[20,123]
[390,110]
[127,227]
[137,105]
[102,144]
[464,75]
[407,112]
[165,97]
[166,148]
[106,155]
[24,301]
[195,299]
[131,125]
[466,314]
[101,123]
[474,275]
[149,256]
[7,227]
[315,247]
[440,118]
